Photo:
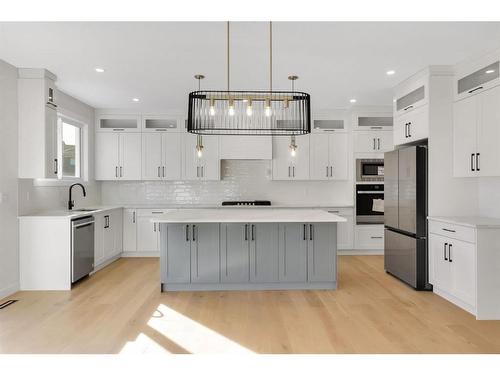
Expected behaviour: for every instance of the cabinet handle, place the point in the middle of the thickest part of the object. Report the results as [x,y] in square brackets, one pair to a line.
[378,142]
[311,232]
[305,234]
[118,130]
[187,233]
[55,166]
[202,171]
[154,227]
[327,171]
[121,171]
[449,230]
[133,217]
[246,232]
[445,244]
[116,172]
[106,221]
[374,147]
[407,108]
[406,130]
[376,127]
[331,171]
[253,232]
[194,226]
[163,169]
[409,129]
[288,171]
[472,162]
[158,171]
[449,252]
[477,88]
[477,161]
[376,237]
[293,169]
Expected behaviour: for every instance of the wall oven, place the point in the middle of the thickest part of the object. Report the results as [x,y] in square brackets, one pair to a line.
[369,208]
[369,170]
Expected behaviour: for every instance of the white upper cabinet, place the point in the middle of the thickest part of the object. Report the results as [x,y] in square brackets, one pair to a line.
[411,93]
[286,166]
[118,156]
[412,126]
[475,76]
[161,156]
[37,111]
[206,167]
[476,134]
[372,121]
[329,156]
[118,123]
[320,125]
[373,141]
[161,123]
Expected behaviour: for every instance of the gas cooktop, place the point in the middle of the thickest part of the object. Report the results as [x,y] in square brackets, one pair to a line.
[246,203]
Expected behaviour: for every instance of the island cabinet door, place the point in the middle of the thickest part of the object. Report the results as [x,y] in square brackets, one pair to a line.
[175,253]
[264,253]
[234,253]
[321,251]
[293,252]
[205,262]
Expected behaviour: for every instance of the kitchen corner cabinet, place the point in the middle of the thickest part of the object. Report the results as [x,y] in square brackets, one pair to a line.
[118,156]
[463,264]
[108,235]
[161,156]
[37,123]
[373,141]
[206,167]
[286,166]
[148,233]
[329,158]
[129,230]
[476,133]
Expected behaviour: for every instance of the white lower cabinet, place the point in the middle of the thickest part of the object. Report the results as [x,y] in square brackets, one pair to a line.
[464,265]
[129,230]
[369,237]
[345,230]
[108,235]
[148,233]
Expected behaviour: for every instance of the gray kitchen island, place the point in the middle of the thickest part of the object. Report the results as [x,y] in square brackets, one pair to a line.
[248,249]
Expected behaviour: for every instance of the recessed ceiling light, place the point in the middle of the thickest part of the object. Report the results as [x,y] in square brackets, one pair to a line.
[135,99]
[490,71]
[99,70]
[353,100]
[390,72]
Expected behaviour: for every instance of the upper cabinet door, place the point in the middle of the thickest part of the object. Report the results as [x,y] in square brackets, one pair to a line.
[366,141]
[300,162]
[190,161]
[210,162]
[53,166]
[320,157]
[475,77]
[107,156]
[171,150]
[160,123]
[385,141]
[339,156]
[130,156]
[152,160]
[282,168]
[465,114]
[118,123]
[488,135]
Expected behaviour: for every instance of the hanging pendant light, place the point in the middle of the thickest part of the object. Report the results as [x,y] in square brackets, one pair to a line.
[199,141]
[268,112]
[293,144]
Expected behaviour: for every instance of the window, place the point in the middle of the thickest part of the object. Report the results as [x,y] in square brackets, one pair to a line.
[69,148]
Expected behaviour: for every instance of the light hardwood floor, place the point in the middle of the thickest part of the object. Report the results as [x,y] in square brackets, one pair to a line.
[121,310]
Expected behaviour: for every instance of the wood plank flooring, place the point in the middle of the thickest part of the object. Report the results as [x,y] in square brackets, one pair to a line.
[121,310]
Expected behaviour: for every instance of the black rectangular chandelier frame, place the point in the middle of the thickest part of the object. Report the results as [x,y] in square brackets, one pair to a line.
[208,113]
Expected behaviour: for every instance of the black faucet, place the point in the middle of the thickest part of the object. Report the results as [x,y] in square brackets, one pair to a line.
[71,203]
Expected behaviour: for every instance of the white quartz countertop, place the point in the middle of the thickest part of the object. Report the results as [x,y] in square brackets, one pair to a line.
[217,206]
[70,214]
[469,221]
[246,215]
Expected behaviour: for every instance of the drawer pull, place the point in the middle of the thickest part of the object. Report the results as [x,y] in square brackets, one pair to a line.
[376,237]
[449,230]
[477,88]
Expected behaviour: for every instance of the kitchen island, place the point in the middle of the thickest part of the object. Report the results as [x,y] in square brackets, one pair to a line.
[248,249]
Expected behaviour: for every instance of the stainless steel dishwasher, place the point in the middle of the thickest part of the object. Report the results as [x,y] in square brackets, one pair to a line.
[82,247]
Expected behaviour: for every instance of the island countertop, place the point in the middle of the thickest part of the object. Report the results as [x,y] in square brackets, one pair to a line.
[245,215]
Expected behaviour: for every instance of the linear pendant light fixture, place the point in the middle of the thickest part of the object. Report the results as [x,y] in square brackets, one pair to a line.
[229,112]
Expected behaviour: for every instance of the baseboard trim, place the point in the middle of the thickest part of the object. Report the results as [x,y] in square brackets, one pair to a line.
[106,263]
[360,252]
[172,287]
[457,302]
[141,254]
[9,290]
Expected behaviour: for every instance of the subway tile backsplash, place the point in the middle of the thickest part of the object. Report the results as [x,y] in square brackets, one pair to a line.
[241,180]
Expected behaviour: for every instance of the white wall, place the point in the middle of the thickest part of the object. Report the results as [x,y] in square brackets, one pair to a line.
[9,254]
[489,196]
[241,180]
[36,196]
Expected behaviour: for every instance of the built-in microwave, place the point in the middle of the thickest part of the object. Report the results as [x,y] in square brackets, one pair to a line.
[369,170]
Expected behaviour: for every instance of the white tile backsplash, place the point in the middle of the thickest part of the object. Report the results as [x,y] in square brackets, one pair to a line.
[241,180]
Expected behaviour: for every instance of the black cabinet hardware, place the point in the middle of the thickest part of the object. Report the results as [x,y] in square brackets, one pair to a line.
[133,217]
[378,141]
[187,233]
[246,232]
[446,244]
[121,171]
[55,166]
[253,232]
[477,161]
[449,252]
[331,171]
[374,146]
[163,169]
[305,230]
[407,108]
[477,88]
[449,230]
[158,171]
[106,221]
[311,232]
[194,228]
[327,171]
[472,162]
[116,171]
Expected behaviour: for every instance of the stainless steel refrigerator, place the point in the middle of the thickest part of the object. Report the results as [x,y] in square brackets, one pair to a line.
[405,215]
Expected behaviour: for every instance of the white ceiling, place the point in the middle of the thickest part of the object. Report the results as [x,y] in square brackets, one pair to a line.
[336,61]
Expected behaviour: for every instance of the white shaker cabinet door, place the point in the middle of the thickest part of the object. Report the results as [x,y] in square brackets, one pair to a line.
[488,135]
[171,150]
[129,230]
[462,258]
[282,168]
[320,159]
[130,156]
[465,114]
[152,156]
[107,154]
[338,151]
[147,234]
